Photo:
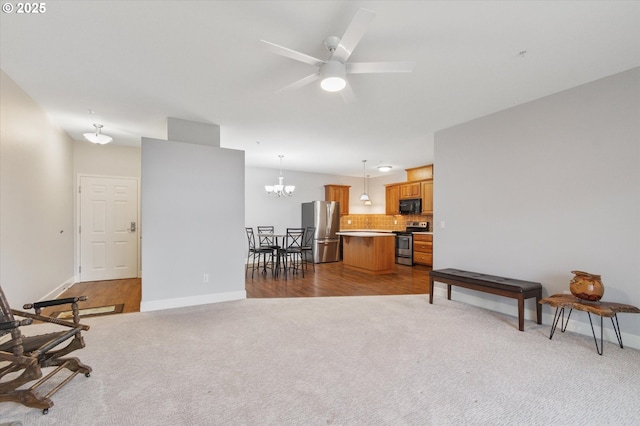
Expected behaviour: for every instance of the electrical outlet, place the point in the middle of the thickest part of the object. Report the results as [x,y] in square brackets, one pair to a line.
[348,222]
[566,292]
[205,278]
[395,222]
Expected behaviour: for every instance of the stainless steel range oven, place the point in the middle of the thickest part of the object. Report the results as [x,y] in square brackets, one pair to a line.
[404,242]
[404,248]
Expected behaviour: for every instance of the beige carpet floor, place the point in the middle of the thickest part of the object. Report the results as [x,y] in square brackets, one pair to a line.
[376,360]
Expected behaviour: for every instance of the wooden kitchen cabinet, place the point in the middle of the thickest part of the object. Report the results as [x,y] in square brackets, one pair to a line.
[410,190]
[420,173]
[423,249]
[339,193]
[427,196]
[392,199]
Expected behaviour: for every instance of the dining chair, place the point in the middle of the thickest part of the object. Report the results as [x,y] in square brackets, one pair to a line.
[307,245]
[255,253]
[291,253]
[266,238]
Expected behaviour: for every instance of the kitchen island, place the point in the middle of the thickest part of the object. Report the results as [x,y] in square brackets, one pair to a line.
[369,251]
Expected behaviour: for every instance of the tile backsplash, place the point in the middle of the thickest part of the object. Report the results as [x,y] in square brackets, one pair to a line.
[380,221]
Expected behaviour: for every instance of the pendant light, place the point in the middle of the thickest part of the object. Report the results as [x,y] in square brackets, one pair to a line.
[364,196]
[367,202]
[97,137]
[280,190]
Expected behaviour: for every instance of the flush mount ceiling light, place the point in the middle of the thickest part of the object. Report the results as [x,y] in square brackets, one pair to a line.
[364,196]
[97,137]
[280,190]
[384,168]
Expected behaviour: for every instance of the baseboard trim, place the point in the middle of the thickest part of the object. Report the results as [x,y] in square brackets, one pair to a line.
[56,292]
[180,302]
[577,323]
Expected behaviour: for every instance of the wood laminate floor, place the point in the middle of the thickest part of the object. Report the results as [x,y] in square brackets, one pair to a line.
[329,279]
[335,279]
[127,292]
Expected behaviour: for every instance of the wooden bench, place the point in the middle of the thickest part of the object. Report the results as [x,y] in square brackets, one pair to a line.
[507,287]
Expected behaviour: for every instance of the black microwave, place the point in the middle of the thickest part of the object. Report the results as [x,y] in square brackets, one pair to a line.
[412,206]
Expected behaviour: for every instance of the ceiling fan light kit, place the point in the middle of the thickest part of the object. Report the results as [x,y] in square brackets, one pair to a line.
[97,137]
[333,76]
[332,72]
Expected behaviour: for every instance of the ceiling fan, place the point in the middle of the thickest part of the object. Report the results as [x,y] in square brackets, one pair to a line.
[332,72]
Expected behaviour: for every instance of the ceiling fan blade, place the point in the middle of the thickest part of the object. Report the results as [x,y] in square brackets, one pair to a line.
[302,82]
[292,54]
[353,34]
[378,67]
[347,94]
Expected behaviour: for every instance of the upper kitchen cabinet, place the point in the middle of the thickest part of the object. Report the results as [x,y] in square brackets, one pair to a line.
[420,173]
[339,193]
[419,184]
[392,199]
[427,196]
[410,190]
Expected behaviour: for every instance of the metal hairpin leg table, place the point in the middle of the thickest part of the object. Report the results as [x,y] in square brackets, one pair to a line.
[602,309]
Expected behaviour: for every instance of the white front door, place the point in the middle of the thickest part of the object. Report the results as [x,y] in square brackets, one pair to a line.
[108,228]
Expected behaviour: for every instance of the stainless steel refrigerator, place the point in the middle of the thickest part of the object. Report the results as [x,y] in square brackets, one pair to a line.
[325,217]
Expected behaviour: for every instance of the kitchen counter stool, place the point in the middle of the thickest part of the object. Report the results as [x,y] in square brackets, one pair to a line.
[291,255]
[268,239]
[255,253]
[307,245]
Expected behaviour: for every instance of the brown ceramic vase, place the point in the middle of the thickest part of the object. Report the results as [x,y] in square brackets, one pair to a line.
[586,286]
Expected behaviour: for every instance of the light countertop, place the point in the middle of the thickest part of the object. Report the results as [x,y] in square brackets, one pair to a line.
[367,230]
[365,234]
[423,233]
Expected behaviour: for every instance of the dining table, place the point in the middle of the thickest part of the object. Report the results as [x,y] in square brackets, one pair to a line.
[279,241]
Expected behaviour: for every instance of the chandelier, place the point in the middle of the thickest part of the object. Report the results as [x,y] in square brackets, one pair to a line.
[280,190]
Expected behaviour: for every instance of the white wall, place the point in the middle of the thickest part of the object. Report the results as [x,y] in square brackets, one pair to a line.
[36,200]
[192,218]
[102,160]
[286,212]
[545,188]
[106,160]
[376,191]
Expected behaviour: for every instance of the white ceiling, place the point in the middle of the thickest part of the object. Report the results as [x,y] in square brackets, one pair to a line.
[135,63]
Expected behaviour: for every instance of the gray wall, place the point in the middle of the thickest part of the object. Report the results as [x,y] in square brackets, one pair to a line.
[193,218]
[545,188]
